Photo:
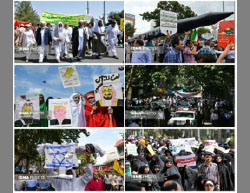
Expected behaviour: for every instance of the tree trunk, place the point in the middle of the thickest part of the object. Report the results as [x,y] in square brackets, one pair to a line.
[27,166]
[129,82]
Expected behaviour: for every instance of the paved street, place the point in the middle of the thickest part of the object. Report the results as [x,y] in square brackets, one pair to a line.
[20,58]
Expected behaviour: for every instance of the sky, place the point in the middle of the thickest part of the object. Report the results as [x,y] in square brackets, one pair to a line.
[199,7]
[28,79]
[77,7]
[105,138]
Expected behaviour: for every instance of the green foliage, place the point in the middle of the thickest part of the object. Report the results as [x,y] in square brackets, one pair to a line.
[26,141]
[182,10]
[116,16]
[202,30]
[129,29]
[25,12]
[82,157]
[215,80]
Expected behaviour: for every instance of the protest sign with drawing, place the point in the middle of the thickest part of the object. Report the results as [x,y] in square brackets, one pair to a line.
[187,160]
[58,155]
[168,22]
[27,108]
[131,149]
[60,113]
[69,76]
[108,91]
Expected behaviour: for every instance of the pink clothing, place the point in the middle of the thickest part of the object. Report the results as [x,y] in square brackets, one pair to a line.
[188,56]
[94,185]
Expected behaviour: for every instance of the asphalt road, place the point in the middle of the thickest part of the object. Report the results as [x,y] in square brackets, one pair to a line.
[89,58]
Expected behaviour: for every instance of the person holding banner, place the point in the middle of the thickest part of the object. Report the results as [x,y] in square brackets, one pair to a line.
[98,116]
[77,110]
[43,40]
[79,40]
[27,40]
[99,39]
[59,37]
[111,35]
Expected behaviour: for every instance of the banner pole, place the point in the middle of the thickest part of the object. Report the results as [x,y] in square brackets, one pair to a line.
[110,118]
[73,89]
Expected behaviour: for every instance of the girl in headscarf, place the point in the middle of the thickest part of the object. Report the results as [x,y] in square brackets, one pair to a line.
[128,168]
[97,116]
[27,39]
[59,36]
[77,110]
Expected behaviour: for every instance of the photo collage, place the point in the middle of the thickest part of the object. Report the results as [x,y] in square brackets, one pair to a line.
[125,95]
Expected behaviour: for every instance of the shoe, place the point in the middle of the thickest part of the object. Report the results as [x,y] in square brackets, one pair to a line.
[26,60]
[79,59]
[45,59]
[58,60]
[115,57]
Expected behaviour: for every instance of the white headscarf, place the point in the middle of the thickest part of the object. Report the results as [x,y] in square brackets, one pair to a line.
[98,29]
[77,111]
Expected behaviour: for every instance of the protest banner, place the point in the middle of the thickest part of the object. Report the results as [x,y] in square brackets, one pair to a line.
[209,145]
[69,76]
[54,18]
[108,91]
[58,155]
[151,151]
[168,22]
[117,168]
[27,108]
[226,33]
[187,160]
[60,113]
[131,149]
[122,24]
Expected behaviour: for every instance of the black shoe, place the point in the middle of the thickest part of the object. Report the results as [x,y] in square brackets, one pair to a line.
[115,57]
[45,58]
[98,57]
[79,59]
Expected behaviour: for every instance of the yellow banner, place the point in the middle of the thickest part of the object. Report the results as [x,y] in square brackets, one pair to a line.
[122,24]
[117,168]
[54,18]
[149,147]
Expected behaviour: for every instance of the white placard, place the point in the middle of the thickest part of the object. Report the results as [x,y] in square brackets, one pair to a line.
[131,149]
[108,89]
[168,22]
[69,76]
[60,113]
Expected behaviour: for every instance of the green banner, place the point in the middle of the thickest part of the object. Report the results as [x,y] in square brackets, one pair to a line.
[64,18]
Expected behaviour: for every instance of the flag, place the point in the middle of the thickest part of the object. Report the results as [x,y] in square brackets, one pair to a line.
[194,36]
[117,168]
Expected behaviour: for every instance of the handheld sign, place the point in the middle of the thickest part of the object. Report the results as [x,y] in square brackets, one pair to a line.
[108,91]
[187,160]
[60,112]
[69,76]
[27,108]
[131,149]
[151,151]
[168,22]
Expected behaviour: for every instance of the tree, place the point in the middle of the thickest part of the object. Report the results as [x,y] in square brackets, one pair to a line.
[116,16]
[26,141]
[215,80]
[129,29]
[182,10]
[202,30]
[25,12]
